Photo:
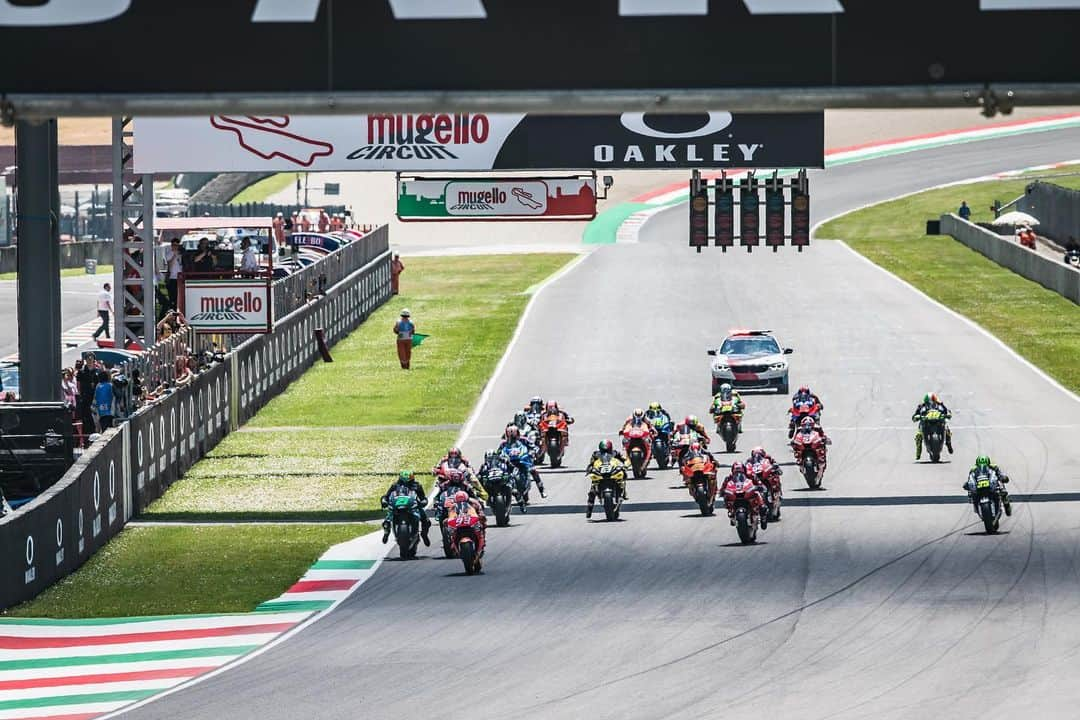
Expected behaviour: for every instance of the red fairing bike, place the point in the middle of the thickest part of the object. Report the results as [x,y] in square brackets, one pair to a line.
[468,534]
[637,441]
[555,435]
[745,507]
[809,449]
[769,476]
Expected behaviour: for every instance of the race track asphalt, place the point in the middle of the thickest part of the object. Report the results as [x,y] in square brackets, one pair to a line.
[878,597]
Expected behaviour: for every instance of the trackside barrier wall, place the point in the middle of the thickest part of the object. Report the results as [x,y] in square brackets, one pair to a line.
[1051,274]
[60,529]
[134,464]
[1056,207]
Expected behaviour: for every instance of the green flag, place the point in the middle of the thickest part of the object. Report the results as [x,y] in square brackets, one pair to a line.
[417,338]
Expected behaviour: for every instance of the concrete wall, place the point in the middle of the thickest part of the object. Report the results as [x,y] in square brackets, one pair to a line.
[1051,274]
[1057,208]
[72,255]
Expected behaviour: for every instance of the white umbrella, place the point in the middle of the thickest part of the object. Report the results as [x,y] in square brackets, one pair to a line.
[1016,218]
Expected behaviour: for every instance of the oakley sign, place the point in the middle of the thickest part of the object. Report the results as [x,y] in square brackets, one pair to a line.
[477,142]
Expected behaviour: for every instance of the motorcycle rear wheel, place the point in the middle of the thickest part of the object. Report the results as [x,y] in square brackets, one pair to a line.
[554,457]
[501,509]
[467,552]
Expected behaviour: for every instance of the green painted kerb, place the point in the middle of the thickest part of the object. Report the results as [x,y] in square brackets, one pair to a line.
[76,699]
[293,605]
[343,565]
[75,660]
[602,228]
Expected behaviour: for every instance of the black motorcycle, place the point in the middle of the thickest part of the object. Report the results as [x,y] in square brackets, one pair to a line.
[499,484]
[406,524]
[985,493]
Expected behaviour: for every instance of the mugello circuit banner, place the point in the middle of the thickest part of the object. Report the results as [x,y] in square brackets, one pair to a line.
[478,141]
[493,198]
[233,305]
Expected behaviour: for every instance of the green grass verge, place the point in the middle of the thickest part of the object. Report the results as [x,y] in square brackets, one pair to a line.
[105,271]
[265,188]
[468,305]
[298,475]
[188,569]
[1038,323]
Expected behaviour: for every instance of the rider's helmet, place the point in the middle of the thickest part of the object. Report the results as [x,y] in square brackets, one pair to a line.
[934,398]
[725,390]
[692,420]
[454,476]
[654,406]
[983,461]
[453,452]
[520,418]
[489,456]
[757,453]
[639,414]
[406,476]
[605,446]
[512,432]
[807,424]
[737,468]
[695,447]
[804,390]
[537,403]
[552,406]
[926,398]
[461,496]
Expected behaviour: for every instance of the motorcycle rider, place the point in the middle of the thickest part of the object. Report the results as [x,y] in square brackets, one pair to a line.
[463,497]
[535,406]
[453,459]
[930,402]
[728,394]
[553,407]
[691,423]
[657,412]
[804,396]
[511,437]
[605,447]
[983,464]
[636,419]
[406,483]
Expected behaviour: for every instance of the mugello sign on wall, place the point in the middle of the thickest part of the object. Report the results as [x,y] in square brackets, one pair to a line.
[536,198]
[478,141]
[234,305]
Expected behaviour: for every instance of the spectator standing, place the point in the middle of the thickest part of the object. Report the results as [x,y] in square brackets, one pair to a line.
[173,267]
[249,261]
[204,257]
[86,380]
[404,329]
[104,402]
[337,223]
[70,390]
[304,221]
[279,230]
[104,307]
[396,268]
[324,221]
[964,212]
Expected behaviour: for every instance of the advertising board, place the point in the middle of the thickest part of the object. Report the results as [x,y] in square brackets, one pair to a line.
[234,305]
[493,198]
[478,142]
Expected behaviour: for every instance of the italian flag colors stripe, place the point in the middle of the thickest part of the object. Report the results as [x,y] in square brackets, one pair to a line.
[82,669]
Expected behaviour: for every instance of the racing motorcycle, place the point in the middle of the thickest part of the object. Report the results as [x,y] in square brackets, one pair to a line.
[800,410]
[520,462]
[661,444]
[933,429]
[727,425]
[448,488]
[746,508]
[809,449]
[499,484]
[769,477]
[467,535]
[986,499]
[606,475]
[406,523]
[699,474]
[555,434]
[638,448]
[680,443]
